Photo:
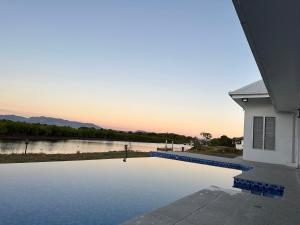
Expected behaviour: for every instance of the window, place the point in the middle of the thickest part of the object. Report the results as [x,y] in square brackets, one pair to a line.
[264,133]
[258,127]
[269,143]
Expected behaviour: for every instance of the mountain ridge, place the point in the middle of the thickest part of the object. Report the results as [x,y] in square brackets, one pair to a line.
[48,121]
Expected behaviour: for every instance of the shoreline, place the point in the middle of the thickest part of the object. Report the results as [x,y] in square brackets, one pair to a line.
[41,157]
[45,138]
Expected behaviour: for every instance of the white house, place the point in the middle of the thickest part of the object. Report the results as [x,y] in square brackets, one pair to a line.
[238,143]
[272,106]
[268,133]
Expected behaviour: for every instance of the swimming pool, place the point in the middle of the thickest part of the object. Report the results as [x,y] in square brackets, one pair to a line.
[104,192]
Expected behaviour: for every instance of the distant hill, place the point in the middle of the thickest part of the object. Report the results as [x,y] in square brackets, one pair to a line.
[48,120]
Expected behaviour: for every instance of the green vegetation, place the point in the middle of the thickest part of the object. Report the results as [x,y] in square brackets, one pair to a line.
[22,158]
[222,141]
[206,140]
[205,137]
[21,130]
[222,151]
[222,146]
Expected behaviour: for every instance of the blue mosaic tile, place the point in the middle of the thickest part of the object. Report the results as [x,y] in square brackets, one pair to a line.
[201,161]
[259,188]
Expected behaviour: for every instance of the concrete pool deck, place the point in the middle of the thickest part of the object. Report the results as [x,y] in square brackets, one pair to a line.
[216,206]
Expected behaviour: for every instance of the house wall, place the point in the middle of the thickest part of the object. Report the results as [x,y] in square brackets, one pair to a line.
[283,133]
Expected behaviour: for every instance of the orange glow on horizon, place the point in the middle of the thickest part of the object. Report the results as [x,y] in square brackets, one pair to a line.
[136,120]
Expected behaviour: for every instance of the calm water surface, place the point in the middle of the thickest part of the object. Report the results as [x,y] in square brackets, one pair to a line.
[72,146]
[98,192]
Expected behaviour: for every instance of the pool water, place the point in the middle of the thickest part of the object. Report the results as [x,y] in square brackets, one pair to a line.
[102,192]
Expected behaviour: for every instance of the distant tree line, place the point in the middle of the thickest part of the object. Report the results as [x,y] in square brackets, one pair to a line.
[206,139]
[27,130]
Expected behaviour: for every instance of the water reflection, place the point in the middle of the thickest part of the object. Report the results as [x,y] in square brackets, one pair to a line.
[102,192]
[73,146]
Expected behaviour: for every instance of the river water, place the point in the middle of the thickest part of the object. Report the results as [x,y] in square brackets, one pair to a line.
[74,146]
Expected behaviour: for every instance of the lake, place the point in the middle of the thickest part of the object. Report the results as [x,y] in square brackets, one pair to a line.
[73,146]
[99,192]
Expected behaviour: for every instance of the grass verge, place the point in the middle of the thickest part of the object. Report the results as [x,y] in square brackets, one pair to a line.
[221,151]
[40,157]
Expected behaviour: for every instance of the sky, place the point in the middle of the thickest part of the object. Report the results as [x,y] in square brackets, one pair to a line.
[162,66]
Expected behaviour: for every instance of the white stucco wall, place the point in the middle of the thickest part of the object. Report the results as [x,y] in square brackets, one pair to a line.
[283,133]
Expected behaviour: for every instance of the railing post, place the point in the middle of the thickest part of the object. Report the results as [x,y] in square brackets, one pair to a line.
[126,152]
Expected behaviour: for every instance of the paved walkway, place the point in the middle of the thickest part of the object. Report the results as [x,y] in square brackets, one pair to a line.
[216,206]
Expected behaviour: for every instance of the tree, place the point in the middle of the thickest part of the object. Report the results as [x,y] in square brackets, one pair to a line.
[222,141]
[225,141]
[196,143]
[205,137]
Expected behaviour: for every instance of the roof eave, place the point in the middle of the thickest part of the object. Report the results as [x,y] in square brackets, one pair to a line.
[247,31]
[270,79]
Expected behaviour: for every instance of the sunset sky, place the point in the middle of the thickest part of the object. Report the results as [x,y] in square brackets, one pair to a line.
[163,66]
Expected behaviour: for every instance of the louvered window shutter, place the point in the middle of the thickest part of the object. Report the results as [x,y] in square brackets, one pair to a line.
[270,133]
[258,127]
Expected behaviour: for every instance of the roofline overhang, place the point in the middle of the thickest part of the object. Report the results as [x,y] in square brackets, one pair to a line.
[278,60]
[247,30]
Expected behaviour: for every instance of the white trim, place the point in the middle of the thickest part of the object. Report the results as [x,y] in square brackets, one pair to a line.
[235,96]
[294,140]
